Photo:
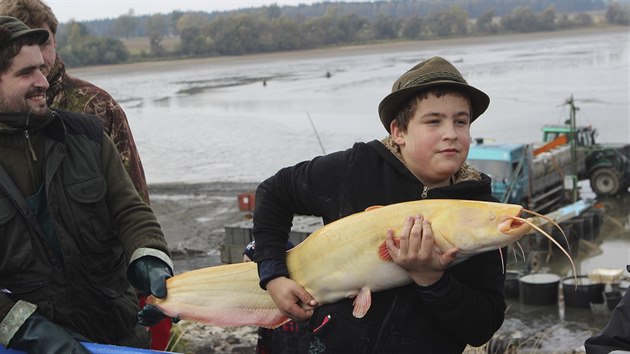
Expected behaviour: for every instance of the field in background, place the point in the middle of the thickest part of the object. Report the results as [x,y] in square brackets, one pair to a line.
[137,45]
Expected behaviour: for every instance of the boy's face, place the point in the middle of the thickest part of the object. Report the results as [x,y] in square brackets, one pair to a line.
[437,139]
[23,86]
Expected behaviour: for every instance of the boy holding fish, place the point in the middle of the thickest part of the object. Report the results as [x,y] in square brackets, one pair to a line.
[428,116]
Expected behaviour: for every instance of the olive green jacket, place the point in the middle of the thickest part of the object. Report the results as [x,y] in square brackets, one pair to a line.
[100,221]
[69,93]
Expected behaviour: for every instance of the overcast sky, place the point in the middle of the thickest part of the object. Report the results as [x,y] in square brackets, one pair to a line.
[82,10]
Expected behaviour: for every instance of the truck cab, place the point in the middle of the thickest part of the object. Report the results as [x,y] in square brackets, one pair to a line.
[504,164]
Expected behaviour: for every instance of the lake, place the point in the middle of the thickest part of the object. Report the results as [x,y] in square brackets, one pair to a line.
[213,119]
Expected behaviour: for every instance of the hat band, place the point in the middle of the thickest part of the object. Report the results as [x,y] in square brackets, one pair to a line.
[435,76]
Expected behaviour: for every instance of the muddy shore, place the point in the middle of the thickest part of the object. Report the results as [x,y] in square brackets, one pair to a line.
[193,217]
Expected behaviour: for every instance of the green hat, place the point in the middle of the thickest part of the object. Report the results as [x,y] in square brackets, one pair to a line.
[436,71]
[12,29]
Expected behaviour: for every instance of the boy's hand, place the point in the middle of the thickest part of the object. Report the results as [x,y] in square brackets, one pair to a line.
[417,253]
[291,298]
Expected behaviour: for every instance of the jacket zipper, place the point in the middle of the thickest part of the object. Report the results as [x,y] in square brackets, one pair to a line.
[28,139]
[30,147]
[425,192]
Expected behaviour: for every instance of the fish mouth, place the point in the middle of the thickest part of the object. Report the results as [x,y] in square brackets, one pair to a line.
[514,226]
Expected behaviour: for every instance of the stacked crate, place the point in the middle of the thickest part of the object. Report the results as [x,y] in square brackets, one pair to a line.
[238,235]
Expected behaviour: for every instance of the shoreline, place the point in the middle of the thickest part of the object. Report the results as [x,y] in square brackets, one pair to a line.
[374,48]
[193,218]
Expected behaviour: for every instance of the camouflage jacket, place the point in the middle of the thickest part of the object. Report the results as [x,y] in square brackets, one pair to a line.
[72,94]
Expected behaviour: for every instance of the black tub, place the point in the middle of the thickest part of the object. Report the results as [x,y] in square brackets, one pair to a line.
[539,289]
[612,299]
[585,292]
[510,288]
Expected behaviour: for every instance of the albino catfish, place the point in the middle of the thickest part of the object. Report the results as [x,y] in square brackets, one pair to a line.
[344,259]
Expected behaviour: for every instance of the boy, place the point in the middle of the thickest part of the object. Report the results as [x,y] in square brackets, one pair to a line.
[428,115]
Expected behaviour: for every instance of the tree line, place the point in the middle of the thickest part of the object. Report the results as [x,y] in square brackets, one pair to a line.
[273,28]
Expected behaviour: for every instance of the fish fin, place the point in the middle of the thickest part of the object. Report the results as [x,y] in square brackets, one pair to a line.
[362,302]
[383,253]
[373,207]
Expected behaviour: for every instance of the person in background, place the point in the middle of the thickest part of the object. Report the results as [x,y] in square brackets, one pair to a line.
[616,334]
[77,238]
[427,116]
[69,93]
[281,340]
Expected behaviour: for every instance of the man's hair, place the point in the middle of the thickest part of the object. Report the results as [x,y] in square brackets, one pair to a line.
[11,50]
[34,13]
[408,109]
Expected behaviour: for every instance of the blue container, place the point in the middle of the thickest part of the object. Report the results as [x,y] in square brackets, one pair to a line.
[98,349]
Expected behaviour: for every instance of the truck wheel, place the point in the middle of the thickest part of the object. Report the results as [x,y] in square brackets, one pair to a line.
[605,181]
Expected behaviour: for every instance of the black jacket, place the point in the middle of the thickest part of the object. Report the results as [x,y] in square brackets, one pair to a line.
[465,307]
[616,334]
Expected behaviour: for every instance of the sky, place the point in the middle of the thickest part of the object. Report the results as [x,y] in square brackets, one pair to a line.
[84,10]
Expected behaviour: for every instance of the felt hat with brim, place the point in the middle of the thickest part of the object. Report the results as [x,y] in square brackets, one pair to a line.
[12,29]
[432,72]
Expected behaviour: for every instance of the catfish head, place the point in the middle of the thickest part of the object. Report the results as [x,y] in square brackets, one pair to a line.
[476,227]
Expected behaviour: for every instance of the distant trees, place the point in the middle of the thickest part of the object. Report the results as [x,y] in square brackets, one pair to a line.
[267,30]
[274,28]
[124,24]
[618,14]
[485,23]
[156,29]
[78,48]
[453,21]
[412,27]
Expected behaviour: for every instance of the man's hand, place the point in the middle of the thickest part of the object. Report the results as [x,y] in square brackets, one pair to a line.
[149,274]
[150,315]
[417,253]
[38,335]
[291,298]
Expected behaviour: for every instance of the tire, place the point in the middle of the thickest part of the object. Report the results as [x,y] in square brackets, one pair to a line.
[605,182]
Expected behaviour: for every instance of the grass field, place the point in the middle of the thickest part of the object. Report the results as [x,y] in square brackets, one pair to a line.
[137,45]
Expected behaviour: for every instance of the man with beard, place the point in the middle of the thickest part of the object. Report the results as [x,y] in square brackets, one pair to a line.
[70,93]
[76,235]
